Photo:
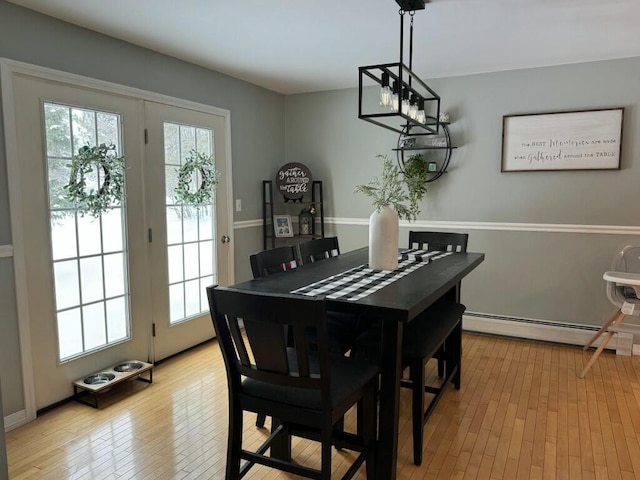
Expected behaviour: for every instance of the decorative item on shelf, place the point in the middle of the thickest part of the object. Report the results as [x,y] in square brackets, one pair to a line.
[197,164]
[282,226]
[392,200]
[444,117]
[435,141]
[100,166]
[405,103]
[306,221]
[406,142]
[416,173]
[432,167]
[293,180]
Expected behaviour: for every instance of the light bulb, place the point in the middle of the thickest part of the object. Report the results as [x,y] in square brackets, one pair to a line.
[395,100]
[405,101]
[386,96]
[413,107]
[405,106]
[420,115]
[385,92]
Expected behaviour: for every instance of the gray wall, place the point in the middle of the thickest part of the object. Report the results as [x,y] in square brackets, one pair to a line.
[4,471]
[548,276]
[257,131]
[553,276]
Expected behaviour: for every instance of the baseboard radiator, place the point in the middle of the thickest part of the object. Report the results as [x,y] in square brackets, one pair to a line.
[528,329]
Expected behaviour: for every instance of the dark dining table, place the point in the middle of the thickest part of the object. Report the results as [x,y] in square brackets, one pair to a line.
[393,306]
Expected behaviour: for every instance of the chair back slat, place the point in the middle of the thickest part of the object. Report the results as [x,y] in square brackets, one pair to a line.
[301,341]
[268,345]
[263,352]
[236,335]
[273,261]
[441,241]
[320,249]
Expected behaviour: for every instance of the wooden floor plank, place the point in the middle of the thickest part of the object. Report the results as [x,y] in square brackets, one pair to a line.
[522,412]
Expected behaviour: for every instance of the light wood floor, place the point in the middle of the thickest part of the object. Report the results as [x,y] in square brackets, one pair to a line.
[522,412]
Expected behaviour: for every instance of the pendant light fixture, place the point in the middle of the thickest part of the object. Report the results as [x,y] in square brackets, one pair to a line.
[402,102]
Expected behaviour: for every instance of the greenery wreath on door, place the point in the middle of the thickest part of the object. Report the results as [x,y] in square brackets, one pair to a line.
[185,193]
[101,160]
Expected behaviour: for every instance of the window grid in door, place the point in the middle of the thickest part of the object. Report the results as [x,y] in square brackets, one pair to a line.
[88,254]
[191,250]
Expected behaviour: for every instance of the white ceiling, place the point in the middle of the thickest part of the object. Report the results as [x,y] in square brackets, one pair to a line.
[293,46]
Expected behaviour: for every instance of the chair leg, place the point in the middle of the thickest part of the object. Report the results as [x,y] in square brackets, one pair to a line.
[281,445]
[416,372]
[325,466]
[604,327]
[441,355]
[234,443]
[339,427]
[367,429]
[260,419]
[597,353]
[454,347]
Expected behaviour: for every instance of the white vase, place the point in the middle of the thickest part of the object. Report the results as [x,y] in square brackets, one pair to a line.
[383,239]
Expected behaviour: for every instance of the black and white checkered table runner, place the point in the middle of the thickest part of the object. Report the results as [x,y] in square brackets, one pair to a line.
[361,281]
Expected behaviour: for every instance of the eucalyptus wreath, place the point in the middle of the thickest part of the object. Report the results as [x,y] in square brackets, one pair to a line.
[203,195]
[90,160]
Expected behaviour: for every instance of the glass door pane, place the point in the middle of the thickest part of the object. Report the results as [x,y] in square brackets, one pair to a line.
[89,256]
[190,231]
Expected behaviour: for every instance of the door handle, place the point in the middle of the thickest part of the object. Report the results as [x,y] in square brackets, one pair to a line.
[225,239]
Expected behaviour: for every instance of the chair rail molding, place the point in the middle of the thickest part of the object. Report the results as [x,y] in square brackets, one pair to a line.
[6,251]
[495,226]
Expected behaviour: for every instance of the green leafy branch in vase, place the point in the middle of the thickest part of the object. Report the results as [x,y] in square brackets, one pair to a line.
[392,190]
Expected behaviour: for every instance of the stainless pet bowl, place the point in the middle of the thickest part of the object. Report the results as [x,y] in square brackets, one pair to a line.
[99,378]
[128,367]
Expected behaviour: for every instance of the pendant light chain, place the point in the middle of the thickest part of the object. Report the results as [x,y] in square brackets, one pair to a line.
[411,14]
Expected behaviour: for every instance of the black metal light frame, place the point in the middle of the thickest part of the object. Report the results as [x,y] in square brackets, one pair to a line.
[408,81]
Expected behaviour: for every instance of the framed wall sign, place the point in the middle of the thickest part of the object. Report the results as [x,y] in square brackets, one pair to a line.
[282,226]
[293,180]
[584,140]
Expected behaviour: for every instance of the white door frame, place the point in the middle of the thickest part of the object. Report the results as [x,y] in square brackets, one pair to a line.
[9,68]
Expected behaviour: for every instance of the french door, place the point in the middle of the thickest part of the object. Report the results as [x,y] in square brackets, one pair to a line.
[99,287]
[190,241]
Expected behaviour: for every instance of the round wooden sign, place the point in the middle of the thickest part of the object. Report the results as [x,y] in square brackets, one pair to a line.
[293,180]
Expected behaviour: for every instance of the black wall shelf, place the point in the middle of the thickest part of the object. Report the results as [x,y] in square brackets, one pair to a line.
[445,155]
[271,207]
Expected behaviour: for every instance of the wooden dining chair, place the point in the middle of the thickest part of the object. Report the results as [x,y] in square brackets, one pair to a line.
[319,249]
[340,326]
[436,333]
[439,241]
[343,327]
[307,390]
[267,263]
[273,261]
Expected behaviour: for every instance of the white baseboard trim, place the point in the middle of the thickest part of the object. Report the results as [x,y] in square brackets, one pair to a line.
[527,329]
[15,420]
[6,251]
